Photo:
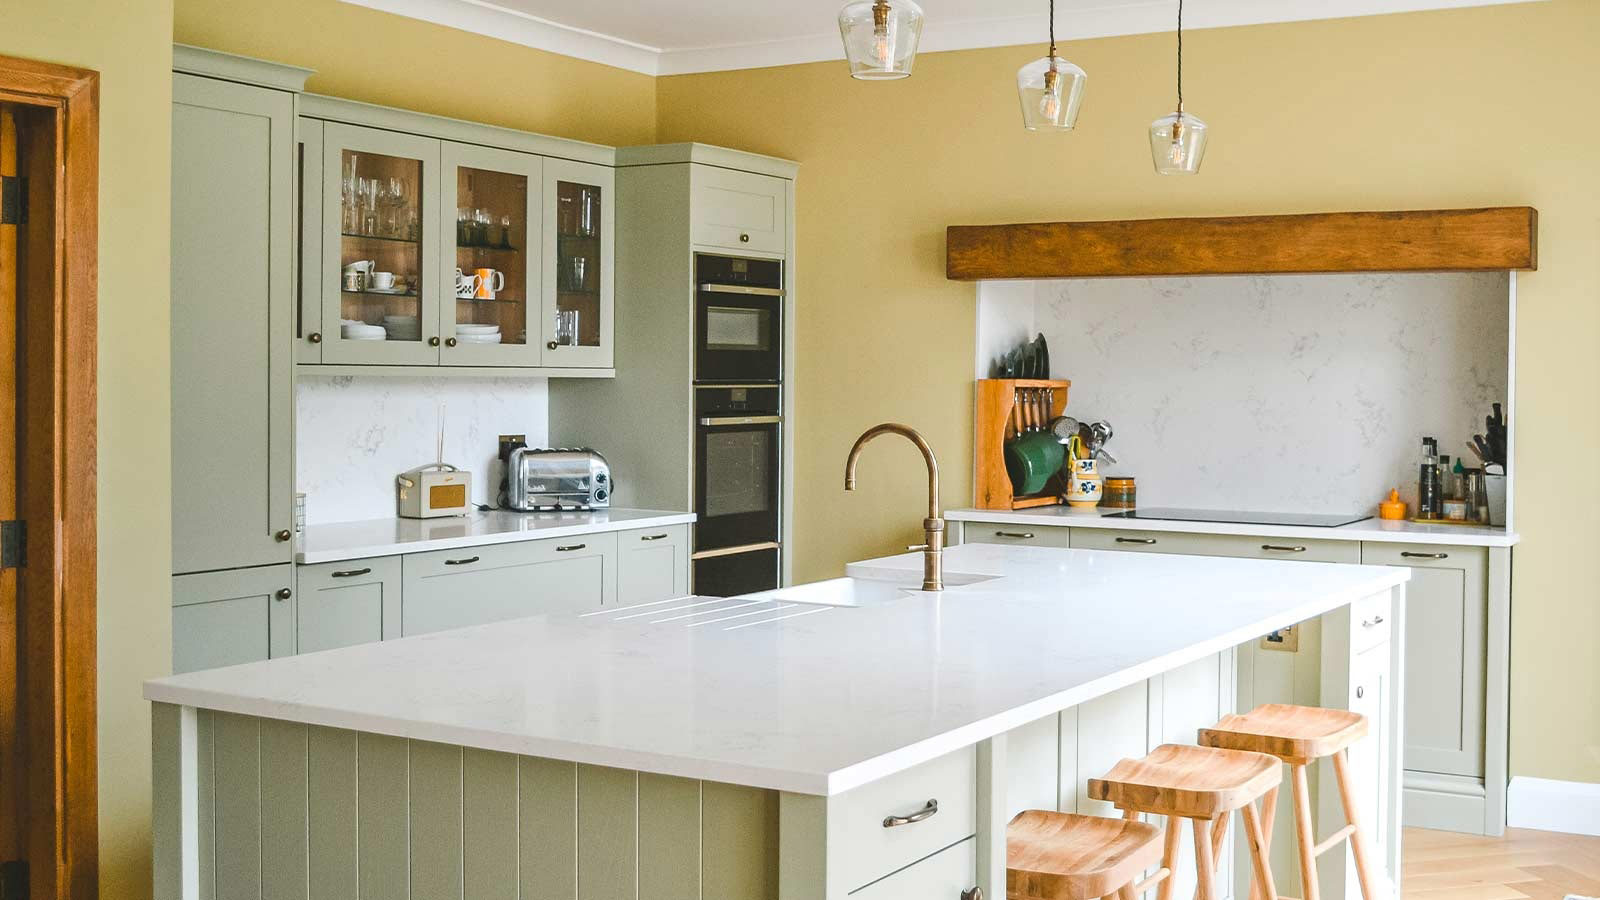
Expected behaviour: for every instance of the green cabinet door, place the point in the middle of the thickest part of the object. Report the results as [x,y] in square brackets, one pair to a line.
[472,586]
[231,617]
[232,373]
[652,564]
[347,602]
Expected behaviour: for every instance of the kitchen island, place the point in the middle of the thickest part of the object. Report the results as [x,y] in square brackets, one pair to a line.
[744,747]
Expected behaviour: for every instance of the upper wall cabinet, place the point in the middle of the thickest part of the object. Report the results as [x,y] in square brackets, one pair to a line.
[739,210]
[425,252]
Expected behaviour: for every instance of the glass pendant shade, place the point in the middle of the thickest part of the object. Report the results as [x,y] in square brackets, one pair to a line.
[1051,91]
[1178,143]
[880,37]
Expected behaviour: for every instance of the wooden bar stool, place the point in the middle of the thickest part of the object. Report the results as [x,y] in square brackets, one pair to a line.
[1301,735]
[1201,784]
[1065,856]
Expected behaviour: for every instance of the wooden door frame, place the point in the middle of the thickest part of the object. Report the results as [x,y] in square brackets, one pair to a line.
[58,471]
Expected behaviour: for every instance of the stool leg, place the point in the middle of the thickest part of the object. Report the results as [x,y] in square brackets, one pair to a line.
[1219,833]
[1308,840]
[1262,885]
[1202,857]
[1169,857]
[1358,840]
[1269,812]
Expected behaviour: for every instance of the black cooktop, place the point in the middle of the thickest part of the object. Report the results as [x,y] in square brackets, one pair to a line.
[1310,520]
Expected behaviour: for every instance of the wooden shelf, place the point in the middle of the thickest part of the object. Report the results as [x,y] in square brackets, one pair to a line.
[375,237]
[991,418]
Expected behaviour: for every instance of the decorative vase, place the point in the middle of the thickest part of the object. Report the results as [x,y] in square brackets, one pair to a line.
[1084,486]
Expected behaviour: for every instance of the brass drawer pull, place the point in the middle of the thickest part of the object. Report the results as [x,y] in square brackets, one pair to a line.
[1409,555]
[462,562]
[570,547]
[351,573]
[1372,622]
[654,537]
[927,812]
[1019,535]
[1136,540]
[1283,548]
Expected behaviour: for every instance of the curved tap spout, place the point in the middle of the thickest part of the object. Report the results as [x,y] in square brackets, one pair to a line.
[933,525]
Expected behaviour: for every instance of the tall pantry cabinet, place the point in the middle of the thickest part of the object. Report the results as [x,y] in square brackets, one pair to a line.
[232,366]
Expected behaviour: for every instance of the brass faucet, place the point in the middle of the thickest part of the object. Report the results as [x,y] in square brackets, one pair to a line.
[933,525]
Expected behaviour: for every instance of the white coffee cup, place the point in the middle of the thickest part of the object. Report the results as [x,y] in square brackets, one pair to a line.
[383,281]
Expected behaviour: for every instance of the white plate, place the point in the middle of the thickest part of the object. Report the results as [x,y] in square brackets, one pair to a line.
[478,338]
[475,328]
[369,337]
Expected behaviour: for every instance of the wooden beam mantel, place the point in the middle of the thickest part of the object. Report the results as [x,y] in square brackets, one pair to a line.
[1432,240]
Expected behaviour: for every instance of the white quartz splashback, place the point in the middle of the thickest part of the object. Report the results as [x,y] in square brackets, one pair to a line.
[354,434]
[1269,393]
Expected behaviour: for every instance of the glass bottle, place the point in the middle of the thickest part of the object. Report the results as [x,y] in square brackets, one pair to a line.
[1428,481]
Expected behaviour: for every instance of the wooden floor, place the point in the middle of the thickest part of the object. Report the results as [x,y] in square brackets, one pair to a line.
[1523,865]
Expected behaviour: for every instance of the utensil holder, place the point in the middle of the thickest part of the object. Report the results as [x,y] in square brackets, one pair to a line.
[995,398]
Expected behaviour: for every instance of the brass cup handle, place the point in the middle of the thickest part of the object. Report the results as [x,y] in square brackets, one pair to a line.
[926,812]
[1122,540]
[1410,555]
[654,537]
[352,573]
[462,562]
[450,342]
[1019,535]
[1373,622]
[570,547]
[283,535]
[1284,548]
[314,337]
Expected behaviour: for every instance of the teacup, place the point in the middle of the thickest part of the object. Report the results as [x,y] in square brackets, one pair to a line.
[383,281]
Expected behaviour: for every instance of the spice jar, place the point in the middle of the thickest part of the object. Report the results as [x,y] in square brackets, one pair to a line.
[1120,492]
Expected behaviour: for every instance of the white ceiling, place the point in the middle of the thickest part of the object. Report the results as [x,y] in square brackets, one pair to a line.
[671,37]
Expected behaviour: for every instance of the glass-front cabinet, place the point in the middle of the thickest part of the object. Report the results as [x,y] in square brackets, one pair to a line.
[380,290]
[492,213]
[578,252]
[438,253]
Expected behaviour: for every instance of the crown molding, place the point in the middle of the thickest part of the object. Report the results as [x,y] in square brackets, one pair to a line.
[243,69]
[488,18]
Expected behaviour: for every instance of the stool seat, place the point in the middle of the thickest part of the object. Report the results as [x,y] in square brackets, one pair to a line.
[1291,733]
[1064,856]
[1188,781]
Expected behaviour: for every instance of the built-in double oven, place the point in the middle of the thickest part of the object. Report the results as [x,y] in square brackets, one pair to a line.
[738,424]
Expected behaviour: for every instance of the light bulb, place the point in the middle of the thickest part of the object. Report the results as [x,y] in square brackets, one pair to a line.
[1175,153]
[883,47]
[1050,103]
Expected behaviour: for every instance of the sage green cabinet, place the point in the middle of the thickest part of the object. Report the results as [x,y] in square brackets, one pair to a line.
[344,603]
[1238,545]
[579,259]
[457,588]
[232,617]
[652,564]
[1446,628]
[231,302]
[1025,535]
[492,218]
[743,211]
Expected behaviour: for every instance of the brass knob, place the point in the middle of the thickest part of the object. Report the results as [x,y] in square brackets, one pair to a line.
[433,342]
[283,535]
[314,337]
[551,345]
[283,594]
[449,342]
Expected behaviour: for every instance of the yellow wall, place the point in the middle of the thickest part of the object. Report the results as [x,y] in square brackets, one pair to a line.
[130,44]
[1444,109]
[362,54]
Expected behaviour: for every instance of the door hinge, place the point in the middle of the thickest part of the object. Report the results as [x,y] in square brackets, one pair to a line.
[13,548]
[13,200]
[14,880]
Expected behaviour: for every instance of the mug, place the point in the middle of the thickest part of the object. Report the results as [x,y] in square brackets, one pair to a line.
[353,282]
[488,283]
[383,281]
[466,285]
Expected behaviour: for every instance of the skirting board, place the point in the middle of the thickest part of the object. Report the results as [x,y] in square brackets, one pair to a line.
[1447,803]
[1550,805]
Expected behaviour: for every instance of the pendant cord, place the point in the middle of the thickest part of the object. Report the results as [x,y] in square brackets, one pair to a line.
[1052,31]
[1180,55]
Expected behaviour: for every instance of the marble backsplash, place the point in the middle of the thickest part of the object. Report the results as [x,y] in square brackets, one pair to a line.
[1299,393]
[354,434]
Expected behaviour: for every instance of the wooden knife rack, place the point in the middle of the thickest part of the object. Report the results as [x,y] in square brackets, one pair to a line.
[992,425]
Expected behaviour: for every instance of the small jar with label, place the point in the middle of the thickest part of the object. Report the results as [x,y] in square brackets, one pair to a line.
[1120,492]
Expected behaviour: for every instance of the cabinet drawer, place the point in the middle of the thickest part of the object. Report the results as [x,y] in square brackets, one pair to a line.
[1239,545]
[943,876]
[353,601]
[1029,535]
[871,849]
[475,585]
[739,210]
[1369,622]
[652,564]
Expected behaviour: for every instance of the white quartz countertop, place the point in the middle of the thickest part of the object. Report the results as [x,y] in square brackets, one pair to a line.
[1374,529]
[771,691]
[338,541]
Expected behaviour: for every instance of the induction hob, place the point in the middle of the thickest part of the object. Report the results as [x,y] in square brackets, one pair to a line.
[1310,520]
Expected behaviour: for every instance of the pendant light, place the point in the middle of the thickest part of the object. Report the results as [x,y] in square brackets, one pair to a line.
[1178,141]
[880,37]
[1050,89]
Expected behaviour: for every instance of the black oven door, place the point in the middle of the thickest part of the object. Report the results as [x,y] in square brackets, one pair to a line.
[738,335]
[736,481]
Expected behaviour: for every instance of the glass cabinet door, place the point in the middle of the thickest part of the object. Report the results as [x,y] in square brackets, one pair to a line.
[380,245]
[579,255]
[492,301]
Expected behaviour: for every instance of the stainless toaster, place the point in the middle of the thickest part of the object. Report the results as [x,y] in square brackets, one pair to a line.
[556,479]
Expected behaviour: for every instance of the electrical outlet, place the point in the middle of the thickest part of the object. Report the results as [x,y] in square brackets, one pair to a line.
[510,441]
[1285,639]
